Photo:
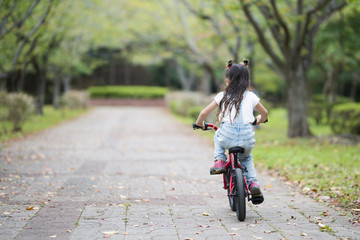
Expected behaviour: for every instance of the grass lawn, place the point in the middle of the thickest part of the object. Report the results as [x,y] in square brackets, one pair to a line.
[320,168]
[328,172]
[50,118]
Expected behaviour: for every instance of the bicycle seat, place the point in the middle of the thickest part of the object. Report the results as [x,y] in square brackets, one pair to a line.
[236,150]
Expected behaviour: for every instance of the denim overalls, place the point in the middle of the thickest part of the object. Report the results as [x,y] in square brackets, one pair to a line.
[233,135]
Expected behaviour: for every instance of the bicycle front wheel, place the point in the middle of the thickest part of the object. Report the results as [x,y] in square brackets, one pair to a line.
[240,195]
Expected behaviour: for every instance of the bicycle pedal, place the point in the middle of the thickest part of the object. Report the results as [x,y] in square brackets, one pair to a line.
[257,199]
[213,172]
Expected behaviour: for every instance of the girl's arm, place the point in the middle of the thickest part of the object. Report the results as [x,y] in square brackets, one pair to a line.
[263,113]
[204,113]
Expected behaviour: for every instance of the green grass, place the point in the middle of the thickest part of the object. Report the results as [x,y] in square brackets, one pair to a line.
[37,123]
[328,169]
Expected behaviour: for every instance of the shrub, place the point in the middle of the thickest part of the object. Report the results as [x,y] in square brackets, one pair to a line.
[189,104]
[74,100]
[193,112]
[345,118]
[317,112]
[136,92]
[20,107]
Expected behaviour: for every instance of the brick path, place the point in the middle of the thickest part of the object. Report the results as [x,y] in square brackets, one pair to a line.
[136,173]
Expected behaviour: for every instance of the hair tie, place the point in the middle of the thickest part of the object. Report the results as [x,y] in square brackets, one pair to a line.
[229,64]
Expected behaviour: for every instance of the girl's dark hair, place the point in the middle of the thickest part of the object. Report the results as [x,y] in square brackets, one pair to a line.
[238,75]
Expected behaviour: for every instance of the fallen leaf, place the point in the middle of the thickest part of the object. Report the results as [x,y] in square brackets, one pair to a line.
[110,232]
[32,208]
[259,238]
[233,234]
[235,229]
[53,236]
[205,214]
[106,236]
[322,226]
[268,186]
[303,234]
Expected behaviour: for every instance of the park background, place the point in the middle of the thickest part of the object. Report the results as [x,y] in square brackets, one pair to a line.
[58,56]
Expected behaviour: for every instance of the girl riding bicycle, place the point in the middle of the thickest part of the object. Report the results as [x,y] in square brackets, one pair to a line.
[235,112]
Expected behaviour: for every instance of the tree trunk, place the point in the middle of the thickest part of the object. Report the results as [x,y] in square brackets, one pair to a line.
[40,93]
[208,84]
[186,81]
[355,81]
[56,92]
[297,104]
[67,83]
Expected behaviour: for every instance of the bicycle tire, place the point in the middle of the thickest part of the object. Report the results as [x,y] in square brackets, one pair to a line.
[231,198]
[240,195]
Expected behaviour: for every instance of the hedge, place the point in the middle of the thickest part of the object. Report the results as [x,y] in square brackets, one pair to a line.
[146,92]
[345,118]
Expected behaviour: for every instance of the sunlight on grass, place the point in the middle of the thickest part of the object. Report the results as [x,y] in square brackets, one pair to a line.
[328,169]
[50,118]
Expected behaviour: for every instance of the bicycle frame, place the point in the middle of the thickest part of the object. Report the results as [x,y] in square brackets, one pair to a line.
[234,164]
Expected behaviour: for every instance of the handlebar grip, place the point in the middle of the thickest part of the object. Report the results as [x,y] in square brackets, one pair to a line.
[199,127]
[254,123]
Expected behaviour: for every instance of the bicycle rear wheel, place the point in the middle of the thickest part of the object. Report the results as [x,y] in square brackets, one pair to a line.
[240,196]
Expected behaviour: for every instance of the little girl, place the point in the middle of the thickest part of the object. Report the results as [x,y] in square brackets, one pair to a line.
[235,112]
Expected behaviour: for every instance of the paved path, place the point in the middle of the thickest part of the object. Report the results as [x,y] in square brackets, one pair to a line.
[136,173]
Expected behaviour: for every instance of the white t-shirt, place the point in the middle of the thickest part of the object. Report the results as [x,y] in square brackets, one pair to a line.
[248,105]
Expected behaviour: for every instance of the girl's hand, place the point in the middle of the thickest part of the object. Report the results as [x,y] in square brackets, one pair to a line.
[258,118]
[202,125]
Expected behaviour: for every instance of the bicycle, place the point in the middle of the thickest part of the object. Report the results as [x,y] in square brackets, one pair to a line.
[235,179]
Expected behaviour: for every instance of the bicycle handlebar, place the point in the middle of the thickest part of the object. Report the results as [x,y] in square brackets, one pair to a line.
[209,126]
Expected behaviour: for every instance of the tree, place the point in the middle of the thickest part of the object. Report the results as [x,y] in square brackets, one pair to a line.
[292,30]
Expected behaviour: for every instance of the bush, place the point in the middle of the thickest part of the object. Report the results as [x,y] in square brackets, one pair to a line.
[345,118]
[189,104]
[20,107]
[317,112]
[74,100]
[319,109]
[193,112]
[136,92]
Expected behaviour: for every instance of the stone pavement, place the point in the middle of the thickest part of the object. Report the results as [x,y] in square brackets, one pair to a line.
[136,173]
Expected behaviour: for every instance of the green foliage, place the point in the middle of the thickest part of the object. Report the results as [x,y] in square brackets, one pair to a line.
[320,111]
[345,118]
[20,106]
[37,123]
[193,112]
[74,100]
[146,92]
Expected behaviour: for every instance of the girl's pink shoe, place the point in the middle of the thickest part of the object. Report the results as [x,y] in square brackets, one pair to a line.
[219,167]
